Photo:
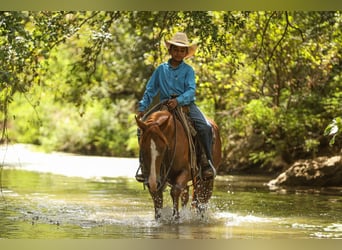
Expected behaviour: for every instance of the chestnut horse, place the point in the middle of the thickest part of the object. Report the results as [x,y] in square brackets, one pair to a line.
[166,156]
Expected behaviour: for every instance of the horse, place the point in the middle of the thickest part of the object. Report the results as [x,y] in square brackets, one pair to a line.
[165,151]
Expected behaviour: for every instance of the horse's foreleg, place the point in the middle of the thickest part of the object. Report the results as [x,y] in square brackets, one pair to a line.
[157,198]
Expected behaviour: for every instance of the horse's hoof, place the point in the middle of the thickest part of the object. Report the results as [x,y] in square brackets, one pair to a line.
[176,218]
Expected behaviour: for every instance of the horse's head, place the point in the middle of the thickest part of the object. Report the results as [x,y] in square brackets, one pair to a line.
[153,145]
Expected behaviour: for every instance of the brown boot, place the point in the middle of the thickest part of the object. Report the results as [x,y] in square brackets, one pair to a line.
[208,172]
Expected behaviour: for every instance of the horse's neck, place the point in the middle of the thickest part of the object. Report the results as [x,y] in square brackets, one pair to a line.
[169,129]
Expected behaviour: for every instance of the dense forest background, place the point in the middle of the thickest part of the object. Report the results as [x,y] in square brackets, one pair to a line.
[70,81]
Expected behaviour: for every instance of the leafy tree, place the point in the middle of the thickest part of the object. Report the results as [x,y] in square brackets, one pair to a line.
[271,79]
[26,39]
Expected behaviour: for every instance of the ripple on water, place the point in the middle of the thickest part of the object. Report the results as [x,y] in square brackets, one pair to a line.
[236,220]
[332,231]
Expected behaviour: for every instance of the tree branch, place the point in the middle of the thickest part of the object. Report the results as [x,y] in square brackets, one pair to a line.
[263,35]
[293,27]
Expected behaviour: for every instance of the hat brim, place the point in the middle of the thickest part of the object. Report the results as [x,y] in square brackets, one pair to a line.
[191,47]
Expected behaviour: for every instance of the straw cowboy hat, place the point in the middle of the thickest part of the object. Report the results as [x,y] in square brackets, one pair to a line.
[180,39]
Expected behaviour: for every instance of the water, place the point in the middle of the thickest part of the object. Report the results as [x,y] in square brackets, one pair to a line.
[35,205]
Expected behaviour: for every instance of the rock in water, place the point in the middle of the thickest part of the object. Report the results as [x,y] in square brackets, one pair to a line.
[319,172]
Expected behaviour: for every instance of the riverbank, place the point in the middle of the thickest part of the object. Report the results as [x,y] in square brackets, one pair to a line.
[27,157]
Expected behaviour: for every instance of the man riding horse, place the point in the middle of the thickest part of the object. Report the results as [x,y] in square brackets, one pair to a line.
[174,80]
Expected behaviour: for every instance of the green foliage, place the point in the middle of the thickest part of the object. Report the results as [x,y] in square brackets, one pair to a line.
[103,129]
[259,114]
[262,158]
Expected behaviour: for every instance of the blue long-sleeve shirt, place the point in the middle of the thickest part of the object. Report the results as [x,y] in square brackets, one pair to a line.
[168,81]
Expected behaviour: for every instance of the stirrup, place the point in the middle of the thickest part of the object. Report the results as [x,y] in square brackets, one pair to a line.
[212,167]
[140,177]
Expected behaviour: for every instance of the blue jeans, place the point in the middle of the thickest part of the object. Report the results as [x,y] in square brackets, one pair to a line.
[203,128]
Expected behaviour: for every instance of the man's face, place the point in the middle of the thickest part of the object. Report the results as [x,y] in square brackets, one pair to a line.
[178,53]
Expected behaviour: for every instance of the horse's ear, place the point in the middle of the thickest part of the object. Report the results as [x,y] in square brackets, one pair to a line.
[140,123]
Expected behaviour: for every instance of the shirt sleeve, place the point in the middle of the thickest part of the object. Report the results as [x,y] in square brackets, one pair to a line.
[190,89]
[151,91]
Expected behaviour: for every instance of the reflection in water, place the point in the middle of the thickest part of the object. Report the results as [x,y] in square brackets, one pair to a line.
[35,205]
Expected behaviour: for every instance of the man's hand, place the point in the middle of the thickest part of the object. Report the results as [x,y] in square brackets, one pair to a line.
[172,103]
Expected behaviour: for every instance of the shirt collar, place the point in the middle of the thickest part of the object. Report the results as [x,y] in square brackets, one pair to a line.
[169,64]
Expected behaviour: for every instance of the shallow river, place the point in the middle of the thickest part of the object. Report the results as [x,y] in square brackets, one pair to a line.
[57,196]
